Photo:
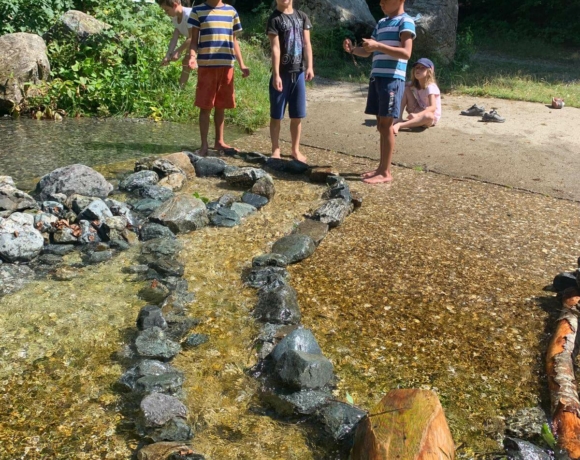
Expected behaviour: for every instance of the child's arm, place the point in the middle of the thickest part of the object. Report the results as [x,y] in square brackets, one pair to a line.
[308,53]
[275,46]
[172,43]
[356,50]
[431,108]
[238,54]
[403,52]
[184,46]
[193,42]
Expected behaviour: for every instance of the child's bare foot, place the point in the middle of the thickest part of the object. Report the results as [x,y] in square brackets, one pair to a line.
[378,179]
[203,151]
[223,146]
[276,153]
[298,156]
[369,174]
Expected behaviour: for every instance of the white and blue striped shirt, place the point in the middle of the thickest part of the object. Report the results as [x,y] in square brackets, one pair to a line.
[388,32]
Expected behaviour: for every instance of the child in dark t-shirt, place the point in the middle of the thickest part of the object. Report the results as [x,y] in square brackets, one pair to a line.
[289,34]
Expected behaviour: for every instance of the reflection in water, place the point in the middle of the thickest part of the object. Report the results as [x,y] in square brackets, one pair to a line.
[32,148]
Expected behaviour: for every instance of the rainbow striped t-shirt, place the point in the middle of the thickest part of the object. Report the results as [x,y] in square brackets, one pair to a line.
[217,27]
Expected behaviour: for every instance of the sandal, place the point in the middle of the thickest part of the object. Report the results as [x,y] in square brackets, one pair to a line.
[474,111]
[492,117]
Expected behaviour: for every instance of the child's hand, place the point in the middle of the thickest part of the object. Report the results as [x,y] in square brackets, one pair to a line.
[277,83]
[412,116]
[347,45]
[309,75]
[175,56]
[192,62]
[245,72]
[370,45]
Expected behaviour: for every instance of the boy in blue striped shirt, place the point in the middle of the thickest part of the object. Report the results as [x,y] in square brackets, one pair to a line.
[214,49]
[391,46]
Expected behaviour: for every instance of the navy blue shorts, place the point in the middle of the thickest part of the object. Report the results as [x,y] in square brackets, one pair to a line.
[293,95]
[385,96]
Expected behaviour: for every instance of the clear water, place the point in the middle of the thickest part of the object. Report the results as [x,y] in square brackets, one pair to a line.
[31,148]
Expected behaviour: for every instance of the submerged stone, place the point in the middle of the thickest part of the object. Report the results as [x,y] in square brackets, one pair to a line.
[333,212]
[518,449]
[14,277]
[278,305]
[166,266]
[303,402]
[153,343]
[144,368]
[158,247]
[300,370]
[168,383]
[225,217]
[257,201]
[195,340]
[150,316]
[154,293]
[313,228]
[181,214]
[295,247]
[340,419]
[57,249]
[175,429]
[243,209]
[157,409]
[97,257]
[151,230]
[270,260]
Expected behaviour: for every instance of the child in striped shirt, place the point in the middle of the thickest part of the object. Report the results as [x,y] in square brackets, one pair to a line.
[391,46]
[214,49]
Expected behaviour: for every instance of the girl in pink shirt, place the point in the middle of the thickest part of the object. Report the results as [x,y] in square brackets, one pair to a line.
[422,98]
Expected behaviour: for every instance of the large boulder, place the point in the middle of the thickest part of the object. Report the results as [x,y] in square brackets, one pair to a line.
[23,60]
[436,27]
[354,14]
[77,178]
[76,24]
[19,242]
[181,214]
[12,199]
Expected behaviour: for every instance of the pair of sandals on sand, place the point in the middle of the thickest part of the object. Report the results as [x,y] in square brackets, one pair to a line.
[479,111]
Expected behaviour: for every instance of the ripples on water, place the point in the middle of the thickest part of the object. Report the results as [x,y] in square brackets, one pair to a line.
[31,148]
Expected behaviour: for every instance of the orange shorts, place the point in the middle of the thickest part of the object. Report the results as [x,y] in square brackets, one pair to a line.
[215,88]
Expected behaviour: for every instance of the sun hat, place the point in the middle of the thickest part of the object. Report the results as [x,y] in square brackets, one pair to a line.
[425,62]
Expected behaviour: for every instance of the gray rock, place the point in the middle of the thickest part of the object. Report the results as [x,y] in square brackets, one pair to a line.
[14,277]
[150,316]
[181,214]
[146,367]
[259,277]
[297,340]
[257,201]
[333,212]
[120,245]
[64,236]
[195,340]
[304,370]
[12,199]
[166,266]
[57,249]
[23,60]
[139,180]
[22,219]
[79,202]
[340,419]
[179,327]
[436,29]
[158,247]
[43,222]
[77,178]
[98,257]
[313,228]
[243,177]
[270,260]
[118,223]
[154,293]
[146,206]
[341,191]
[294,247]
[227,200]
[153,343]
[526,424]
[206,167]
[264,187]
[7,180]
[53,207]
[517,449]
[75,24]
[19,243]
[175,429]
[49,259]
[88,233]
[151,230]
[136,269]
[278,305]
[303,402]
[156,192]
[255,157]
[225,217]
[169,383]
[165,168]
[243,209]
[157,409]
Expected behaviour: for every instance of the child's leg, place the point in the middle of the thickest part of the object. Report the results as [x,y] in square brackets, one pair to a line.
[387,145]
[426,119]
[295,132]
[275,136]
[204,121]
[224,99]
[405,102]
[297,111]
